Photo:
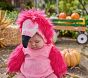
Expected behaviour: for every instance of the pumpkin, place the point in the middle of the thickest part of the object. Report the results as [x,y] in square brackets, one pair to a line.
[83,19]
[62,15]
[71,56]
[75,16]
[68,17]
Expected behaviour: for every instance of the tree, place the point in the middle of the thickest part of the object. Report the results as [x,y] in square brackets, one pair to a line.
[68,6]
[84,3]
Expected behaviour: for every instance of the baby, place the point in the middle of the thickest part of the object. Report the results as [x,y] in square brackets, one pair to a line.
[37,56]
[37,63]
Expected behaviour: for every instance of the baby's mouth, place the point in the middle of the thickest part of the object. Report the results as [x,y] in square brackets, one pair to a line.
[36,48]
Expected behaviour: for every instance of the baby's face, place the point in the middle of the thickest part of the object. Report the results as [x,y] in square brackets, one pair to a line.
[36,42]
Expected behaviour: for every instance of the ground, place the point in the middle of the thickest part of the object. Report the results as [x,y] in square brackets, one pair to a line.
[62,43]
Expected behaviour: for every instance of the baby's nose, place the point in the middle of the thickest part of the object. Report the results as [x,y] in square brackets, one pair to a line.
[33,44]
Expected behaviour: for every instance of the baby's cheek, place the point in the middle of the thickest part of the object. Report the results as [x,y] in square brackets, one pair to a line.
[29,45]
[40,44]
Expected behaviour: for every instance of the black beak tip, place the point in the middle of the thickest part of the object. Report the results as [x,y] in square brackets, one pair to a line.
[25,40]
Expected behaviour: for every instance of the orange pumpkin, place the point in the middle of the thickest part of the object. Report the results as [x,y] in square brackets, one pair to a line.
[62,15]
[83,19]
[71,56]
[68,17]
[75,16]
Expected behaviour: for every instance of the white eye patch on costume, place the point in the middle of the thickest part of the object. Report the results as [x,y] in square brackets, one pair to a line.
[29,28]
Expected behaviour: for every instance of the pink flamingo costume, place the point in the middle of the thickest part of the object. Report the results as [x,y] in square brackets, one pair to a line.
[34,64]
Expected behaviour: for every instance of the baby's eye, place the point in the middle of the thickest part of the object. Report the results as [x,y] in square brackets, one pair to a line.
[36,41]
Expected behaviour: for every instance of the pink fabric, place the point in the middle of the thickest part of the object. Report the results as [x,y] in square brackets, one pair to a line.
[49,76]
[17,58]
[52,76]
[37,63]
[20,75]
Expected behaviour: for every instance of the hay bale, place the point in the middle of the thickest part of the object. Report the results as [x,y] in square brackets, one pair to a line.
[11,35]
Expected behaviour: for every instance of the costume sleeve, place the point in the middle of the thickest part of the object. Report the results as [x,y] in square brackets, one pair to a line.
[15,59]
[57,62]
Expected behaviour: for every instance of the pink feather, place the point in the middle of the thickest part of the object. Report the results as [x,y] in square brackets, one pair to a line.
[15,60]
[39,17]
[57,62]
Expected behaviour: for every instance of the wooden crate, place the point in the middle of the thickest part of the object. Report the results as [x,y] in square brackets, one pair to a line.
[70,24]
[70,28]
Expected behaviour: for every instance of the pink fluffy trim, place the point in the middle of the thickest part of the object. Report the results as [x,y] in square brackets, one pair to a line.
[57,62]
[15,60]
[39,17]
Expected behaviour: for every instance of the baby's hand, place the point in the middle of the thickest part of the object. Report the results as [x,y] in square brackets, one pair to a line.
[10,75]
